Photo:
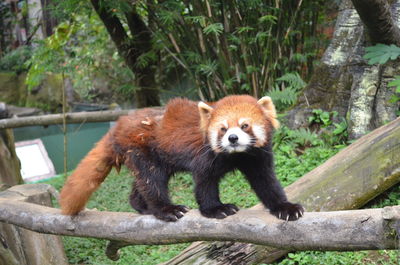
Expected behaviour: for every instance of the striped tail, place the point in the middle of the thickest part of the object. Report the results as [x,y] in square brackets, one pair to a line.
[87,177]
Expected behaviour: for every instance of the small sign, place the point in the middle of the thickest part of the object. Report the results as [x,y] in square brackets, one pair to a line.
[35,163]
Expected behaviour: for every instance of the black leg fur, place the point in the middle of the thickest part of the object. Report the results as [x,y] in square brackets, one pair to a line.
[207,196]
[260,174]
[150,192]
[137,201]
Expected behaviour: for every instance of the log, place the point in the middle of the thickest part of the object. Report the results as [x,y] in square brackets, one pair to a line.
[78,117]
[24,247]
[348,180]
[339,230]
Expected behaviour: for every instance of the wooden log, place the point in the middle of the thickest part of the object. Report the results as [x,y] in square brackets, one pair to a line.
[348,180]
[339,230]
[24,247]
[78,117]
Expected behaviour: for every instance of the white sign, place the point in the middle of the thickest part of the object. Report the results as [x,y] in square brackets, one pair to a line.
[35,163]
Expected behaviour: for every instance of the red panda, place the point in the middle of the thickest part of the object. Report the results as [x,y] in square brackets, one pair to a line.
[208,140]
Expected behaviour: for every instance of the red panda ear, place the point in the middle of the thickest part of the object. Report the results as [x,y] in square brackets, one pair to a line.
[205,110]
[205,114]
[269,110]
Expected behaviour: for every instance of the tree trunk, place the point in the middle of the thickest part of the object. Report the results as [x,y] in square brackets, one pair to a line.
[130,49]
[345,83]
[24,247]
[348,180]
[9,163]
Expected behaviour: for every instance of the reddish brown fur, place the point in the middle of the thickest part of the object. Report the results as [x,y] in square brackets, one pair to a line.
[178,119]
[94,168]
[87,177]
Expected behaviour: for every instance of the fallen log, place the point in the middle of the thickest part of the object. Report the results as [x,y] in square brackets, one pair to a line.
[340,230]
[348,180]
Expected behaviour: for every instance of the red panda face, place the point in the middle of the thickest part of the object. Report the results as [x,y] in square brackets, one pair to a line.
[236,123]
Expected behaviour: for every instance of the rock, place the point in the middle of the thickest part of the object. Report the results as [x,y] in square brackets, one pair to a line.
[3,111]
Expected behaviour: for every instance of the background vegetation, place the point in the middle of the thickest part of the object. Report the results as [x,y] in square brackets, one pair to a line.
[205,49]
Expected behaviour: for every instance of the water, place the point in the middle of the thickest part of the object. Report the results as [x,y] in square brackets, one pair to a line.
[81,138]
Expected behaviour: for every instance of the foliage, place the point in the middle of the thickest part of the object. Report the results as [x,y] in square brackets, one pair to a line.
[15,60]
[291,141]
[209,48]
[49,57]
[324,118]
[238,46]
[395,98]
[82,50]
[380,54]
[286,90]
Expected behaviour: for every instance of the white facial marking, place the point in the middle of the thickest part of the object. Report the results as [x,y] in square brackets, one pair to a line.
[242,143]
[214,139]
[259,133]
[225,123]
[242,120]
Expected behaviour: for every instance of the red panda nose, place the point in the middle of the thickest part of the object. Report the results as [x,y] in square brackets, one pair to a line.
[233,138]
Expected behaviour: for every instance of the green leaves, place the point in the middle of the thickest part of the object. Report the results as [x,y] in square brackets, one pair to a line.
[283,98]
[294,80]
[396,83]
[215,28]
[395,98]
[322,117]
[381,53]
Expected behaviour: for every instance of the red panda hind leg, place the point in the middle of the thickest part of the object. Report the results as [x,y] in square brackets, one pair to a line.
[87,177]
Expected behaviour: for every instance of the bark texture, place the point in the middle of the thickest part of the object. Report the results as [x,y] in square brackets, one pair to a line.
[348,180]
[340,230]
[377,18]
[24,247]
[9,163]
[344,82]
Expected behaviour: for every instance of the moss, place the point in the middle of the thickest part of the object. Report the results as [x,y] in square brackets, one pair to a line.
[9,88]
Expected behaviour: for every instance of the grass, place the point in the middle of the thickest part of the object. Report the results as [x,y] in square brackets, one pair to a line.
[114,192]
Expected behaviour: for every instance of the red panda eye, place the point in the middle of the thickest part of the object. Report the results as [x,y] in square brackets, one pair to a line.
[223,129]
[244,126]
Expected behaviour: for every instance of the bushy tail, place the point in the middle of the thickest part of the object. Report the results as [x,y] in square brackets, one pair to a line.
[87,177]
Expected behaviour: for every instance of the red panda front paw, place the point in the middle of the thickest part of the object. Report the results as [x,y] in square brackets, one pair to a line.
[220,211]
[288,211]
[171,213]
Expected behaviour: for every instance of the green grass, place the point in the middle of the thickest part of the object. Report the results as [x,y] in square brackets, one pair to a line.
[114,192]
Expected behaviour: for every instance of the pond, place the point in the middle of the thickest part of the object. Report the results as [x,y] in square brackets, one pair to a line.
[80,139]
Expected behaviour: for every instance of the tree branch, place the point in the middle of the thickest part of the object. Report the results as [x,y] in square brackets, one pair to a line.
[114,27]
[341,230]
[78,117]
[376,16]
